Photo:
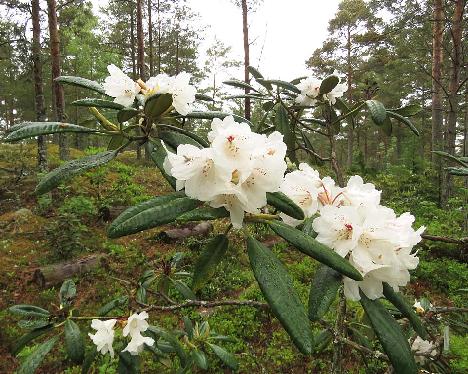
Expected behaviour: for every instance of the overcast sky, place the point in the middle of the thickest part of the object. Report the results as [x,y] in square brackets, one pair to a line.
[284,33]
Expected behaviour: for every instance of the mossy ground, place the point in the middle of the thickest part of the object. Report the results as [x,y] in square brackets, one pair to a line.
[259,342]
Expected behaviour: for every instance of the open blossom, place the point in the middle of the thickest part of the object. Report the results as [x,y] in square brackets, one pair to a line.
[423,347]
[338,91]
[104,336]
[183,94]
[235,172]
[136,324]
[377,242]
[120,86]
[310,88]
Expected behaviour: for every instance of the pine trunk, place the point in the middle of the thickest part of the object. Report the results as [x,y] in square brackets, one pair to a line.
[150,40]
[57,90]
[38,83]
[453,98]
[245,29]
[437,110]
[349,95]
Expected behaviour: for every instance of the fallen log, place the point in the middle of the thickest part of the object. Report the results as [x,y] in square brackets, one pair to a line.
[186,231]
[50,275]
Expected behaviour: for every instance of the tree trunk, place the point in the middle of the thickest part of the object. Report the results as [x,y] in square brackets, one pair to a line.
[38,84]
[140,40]
[349,95]
[453,94]
[245,29]
[132,44]
[57,90]
[150,40]
[437,110]
[159,39]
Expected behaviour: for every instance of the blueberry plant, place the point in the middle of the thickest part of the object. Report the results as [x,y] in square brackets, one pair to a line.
[249,175]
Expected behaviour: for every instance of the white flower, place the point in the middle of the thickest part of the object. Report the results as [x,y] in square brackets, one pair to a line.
[310,88]
[338,91]
[303,187]
[183,94]
[120,86]
[160,84]
[136,344]
[136,324]
[104,336]
[423,347]
[358,193]
[233,145]
[235,172]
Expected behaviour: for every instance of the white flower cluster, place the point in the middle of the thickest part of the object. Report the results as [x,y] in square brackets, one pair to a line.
[235,172]
[124,89]
[352,222]
[104,336]
[310,89]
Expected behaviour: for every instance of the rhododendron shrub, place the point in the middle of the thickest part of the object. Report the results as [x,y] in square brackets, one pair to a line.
[239,175]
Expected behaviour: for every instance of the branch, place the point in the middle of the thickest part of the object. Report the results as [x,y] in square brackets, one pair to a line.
[208,304]
[444,239]
[448,309]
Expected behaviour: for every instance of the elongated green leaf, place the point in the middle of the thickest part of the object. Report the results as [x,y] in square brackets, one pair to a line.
[81,82]
[29,311]
[282,84]
[204,213]
[460,171]
[399,302]
[203,97]
[116,303]
[459,160]
[328,84]
[322,340]
[158,155]
[126,114]
[323,292]
[408,110]
[313,248]
[141,295]
[35,358]
[172,340]
[212,115]
[200,359]
[228,358]
[208,260]
[239,84]
[98,103]
[387,126]
[67,292]
[298,80]
[128,363]
[404,120]
[30,336]
[255,73]
[283,126]
[33,129]
[377,112]
[284,204]
[29,324]
[390,335]
[183,289]
[277,287]
[142,217]
[71,169]
[248,96]
[191,134]
[74,341]
[156,105]
[115,142]
[174,139]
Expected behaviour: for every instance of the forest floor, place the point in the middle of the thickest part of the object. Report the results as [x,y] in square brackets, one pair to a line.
[65,226]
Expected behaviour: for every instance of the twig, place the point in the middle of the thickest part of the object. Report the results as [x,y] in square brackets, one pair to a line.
[339,334]
[444,239]
[208,304]
[447,309]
